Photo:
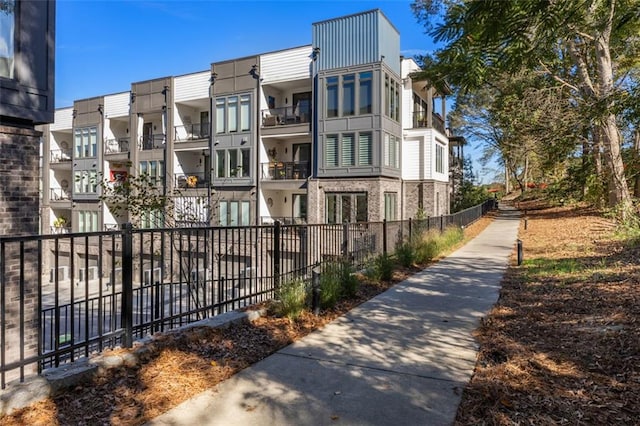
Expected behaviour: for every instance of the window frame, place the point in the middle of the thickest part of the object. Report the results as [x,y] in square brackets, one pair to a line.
[241,209]
[355,202]
[233,114]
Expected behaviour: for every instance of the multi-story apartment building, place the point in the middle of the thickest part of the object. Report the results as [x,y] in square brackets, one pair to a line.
[335,131]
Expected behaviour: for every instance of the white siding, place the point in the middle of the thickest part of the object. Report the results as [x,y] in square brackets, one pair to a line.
[192,86]
[411,161]
[63,119]
[287,65]
[117,105]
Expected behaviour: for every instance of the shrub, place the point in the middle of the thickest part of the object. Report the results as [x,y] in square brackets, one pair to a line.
[406,254]
[383,267]
[292,298]
[336,281]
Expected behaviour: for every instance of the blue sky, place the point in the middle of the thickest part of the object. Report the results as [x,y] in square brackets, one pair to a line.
[104,46]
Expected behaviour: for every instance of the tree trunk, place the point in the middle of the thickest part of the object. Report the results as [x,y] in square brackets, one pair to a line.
[636,157]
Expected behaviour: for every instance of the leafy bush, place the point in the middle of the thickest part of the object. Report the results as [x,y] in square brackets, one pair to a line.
[383,267]
[406,254]
[336,281]
[292,298]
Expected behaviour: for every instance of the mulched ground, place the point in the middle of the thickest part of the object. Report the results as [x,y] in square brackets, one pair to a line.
[179,366]
[562,345]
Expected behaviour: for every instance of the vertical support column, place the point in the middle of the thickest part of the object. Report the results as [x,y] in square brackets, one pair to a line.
[19,203]
[276,256]
[127,284]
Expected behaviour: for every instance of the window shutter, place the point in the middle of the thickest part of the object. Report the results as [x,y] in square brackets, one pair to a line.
[331,151]
[364,149]
[348,156]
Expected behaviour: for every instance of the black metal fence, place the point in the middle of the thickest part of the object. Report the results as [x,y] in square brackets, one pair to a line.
[102,289]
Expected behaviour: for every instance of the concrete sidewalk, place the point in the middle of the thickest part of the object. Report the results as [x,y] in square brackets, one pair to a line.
[402,358]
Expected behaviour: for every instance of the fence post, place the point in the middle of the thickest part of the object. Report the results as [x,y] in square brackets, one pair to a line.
[441,223]
[520,254]
[127,284]
[384,236]
[276,256]
[410,230]
[315,290]
[345,240]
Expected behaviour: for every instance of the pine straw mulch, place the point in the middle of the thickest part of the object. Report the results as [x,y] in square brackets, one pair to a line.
[562,345]
[178,366]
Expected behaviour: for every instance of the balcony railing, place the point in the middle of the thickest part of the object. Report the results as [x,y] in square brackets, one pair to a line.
[116,146]
[284,116]
[150,142]
[59,194]
[60,155]
[60,229]
[292,170]
[420,120]
[191,132]
[270,220]
[191,180]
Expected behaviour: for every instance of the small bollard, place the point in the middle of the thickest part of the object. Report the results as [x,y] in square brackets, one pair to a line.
[315,290]
[519,252]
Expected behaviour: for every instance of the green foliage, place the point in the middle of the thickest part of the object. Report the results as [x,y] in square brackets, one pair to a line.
[406,254]
[383,266]
[336,281]
[468,194]
[433,243]
[292,298]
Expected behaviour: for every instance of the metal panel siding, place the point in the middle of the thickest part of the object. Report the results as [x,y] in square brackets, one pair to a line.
[192,86]
[347,41]
[63,119]
[117,105]
[287,65]
[389,44]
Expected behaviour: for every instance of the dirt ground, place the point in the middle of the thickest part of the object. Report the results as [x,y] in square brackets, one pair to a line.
[179,366]
[562,345]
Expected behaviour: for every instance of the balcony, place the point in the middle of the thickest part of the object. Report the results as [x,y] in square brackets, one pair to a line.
[149,142]
[116,146]
[59,155]
[191,132]
[59,194]
[284,116]
[293,170]
[191,180]
[421,121]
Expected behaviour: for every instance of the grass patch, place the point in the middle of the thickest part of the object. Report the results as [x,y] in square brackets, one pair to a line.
[292,298]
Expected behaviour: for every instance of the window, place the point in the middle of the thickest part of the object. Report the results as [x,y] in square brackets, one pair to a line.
[233,114]
[439,158]
[152,219]
[234,213]
[364,149]
[233,163]
[342,150]
[85,181]
[347,91]
[153,169]
[348,94]
[85,142]
[346,207]
[391,98]
[390,204]
[7,34]
[300,206]
[365,92]
[348,149]
[332,96]
[87,221]
[391,151]
[220,114]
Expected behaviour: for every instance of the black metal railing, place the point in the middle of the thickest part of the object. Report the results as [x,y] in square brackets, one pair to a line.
[116,146]
[112,287]
[289,170]
[149,142]
[191,132]
[191,180]
[59,194]
[420,120]
[285,116]
[59,155]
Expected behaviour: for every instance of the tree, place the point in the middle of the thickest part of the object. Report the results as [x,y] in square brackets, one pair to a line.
[584,46]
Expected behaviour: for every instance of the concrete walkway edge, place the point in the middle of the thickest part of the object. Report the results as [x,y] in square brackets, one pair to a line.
[402,358]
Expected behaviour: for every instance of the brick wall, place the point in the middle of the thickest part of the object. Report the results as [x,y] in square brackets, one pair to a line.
[19,215]
[432,195]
